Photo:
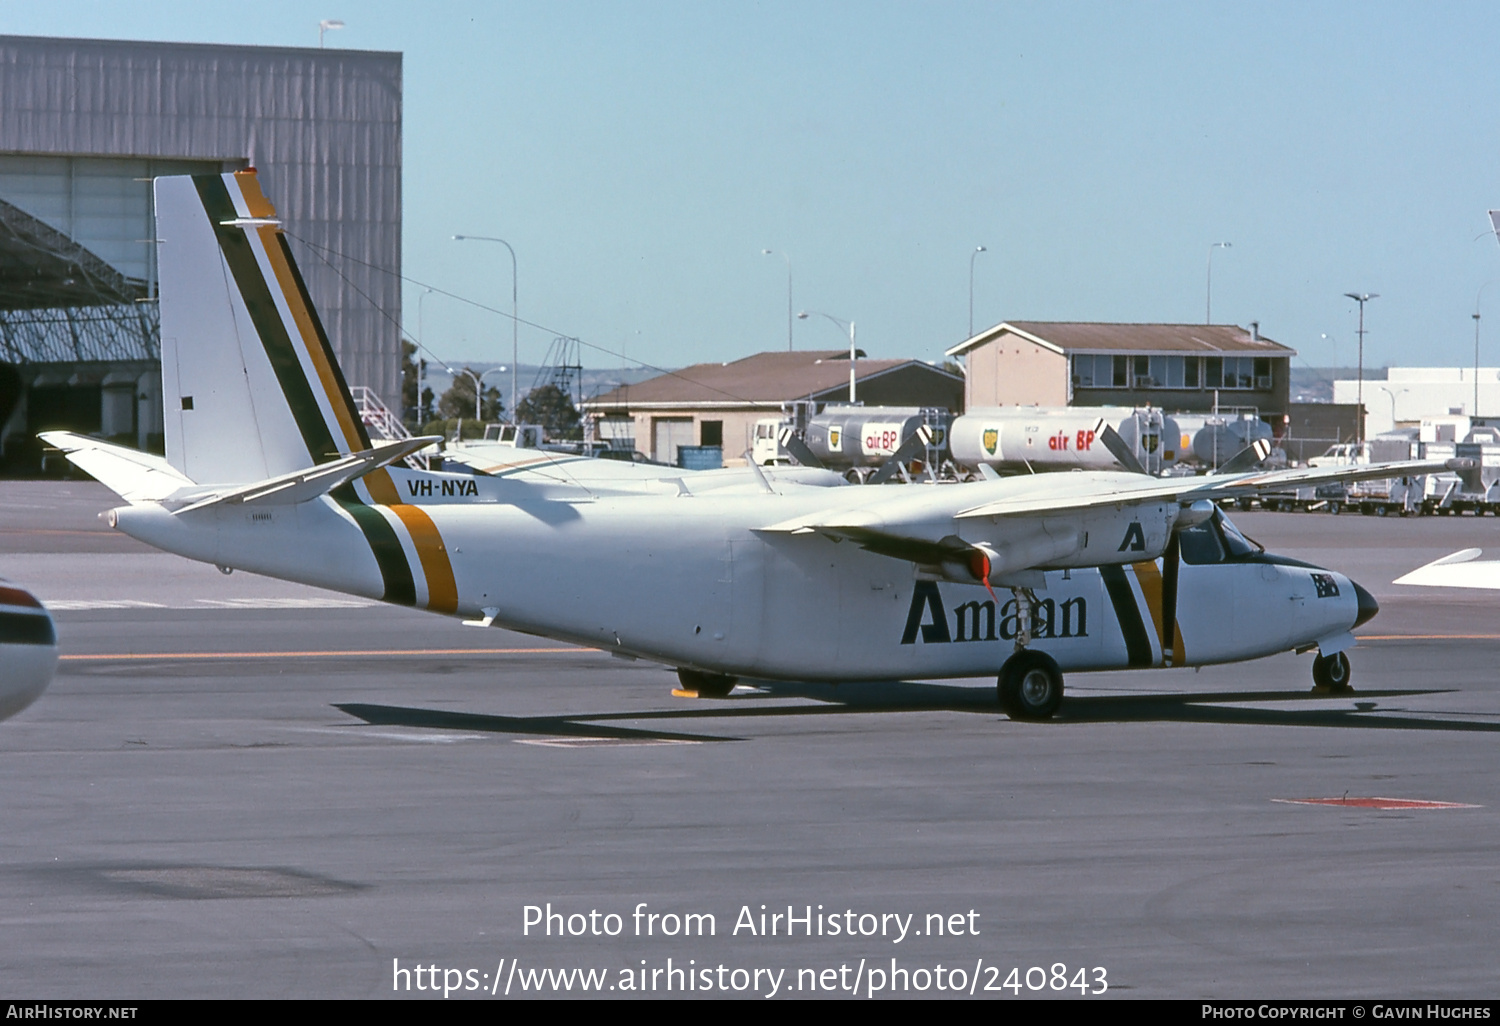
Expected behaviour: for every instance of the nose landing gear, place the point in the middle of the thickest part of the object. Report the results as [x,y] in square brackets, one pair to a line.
[1331,674]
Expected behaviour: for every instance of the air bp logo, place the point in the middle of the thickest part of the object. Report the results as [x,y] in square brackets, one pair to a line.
[991,439]
[834,436]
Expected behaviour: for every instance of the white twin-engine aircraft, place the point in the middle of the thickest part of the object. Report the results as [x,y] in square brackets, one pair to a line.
[748,572]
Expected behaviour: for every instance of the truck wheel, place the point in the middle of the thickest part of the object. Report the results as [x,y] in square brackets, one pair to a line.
[1335,507]
[1030,685]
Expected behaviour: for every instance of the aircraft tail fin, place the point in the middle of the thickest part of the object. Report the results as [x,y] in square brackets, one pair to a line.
[250,384]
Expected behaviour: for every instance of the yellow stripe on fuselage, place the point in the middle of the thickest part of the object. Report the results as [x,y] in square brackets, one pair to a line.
[442,591]
[1151,588]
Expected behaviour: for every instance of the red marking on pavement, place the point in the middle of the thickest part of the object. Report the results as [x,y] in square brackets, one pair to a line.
[1377,803]
[110,656]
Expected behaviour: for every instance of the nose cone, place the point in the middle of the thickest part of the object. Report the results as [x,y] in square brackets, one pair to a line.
[28,649]
[1368,607]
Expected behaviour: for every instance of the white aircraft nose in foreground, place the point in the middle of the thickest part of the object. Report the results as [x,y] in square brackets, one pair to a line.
[750,574]
[28,649]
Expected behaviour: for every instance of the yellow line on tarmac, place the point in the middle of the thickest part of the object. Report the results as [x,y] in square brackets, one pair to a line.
[324,655]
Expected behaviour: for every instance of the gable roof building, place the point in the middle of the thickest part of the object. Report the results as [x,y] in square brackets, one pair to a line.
[719,403]
[1184,367]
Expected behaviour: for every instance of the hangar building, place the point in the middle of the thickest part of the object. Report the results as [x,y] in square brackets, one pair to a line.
[86,124]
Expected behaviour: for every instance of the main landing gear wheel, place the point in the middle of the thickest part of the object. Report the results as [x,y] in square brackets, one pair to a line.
[707,685]
[1332,672]
[1031,686]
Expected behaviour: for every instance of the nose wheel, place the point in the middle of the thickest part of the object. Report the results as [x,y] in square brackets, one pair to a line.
[705,685]
[1331,673]
[1030,685]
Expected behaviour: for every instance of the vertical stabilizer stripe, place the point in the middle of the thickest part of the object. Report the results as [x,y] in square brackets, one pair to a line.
[442,592]
[1137,644]
[266,318]
[318,347]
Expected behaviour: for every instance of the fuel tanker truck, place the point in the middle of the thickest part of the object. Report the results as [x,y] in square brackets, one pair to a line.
[1035,438]
[855,440]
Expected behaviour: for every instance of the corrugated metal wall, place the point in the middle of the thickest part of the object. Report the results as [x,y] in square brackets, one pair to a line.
[323,127]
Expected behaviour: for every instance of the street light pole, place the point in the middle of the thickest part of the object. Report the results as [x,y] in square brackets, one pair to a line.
[768,252]
[478,380]
[324,26]
[1361,298]
[977,250]
[421,363]
[852,351]
[1477,298]
[1208,310]
[515,319]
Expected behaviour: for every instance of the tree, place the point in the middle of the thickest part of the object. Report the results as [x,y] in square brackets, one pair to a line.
[552,408]
[458,401]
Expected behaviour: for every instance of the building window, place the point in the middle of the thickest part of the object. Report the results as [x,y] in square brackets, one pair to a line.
[711,432]
[1240,373]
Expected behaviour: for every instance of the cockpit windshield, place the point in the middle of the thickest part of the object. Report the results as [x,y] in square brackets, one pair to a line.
[1238,543]
[1214,541]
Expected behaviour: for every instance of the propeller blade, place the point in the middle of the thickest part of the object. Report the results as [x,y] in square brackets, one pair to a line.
[797,449]
[1119,450]
[1248,458]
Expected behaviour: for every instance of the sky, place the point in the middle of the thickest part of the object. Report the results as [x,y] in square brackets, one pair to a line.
[639,157]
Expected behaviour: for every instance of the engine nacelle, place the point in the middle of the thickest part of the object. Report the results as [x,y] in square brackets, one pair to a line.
[1085,538]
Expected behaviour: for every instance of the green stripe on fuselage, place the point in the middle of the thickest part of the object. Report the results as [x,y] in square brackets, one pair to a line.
[395,571]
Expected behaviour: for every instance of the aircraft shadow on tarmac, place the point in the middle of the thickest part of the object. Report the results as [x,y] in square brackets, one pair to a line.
[904,696]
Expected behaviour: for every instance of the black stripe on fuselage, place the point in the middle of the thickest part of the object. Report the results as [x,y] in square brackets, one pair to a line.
[26,629]
[395,571]
[267,319]
[1137,645]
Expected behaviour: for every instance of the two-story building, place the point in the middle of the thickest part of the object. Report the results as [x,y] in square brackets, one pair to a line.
[1177,367]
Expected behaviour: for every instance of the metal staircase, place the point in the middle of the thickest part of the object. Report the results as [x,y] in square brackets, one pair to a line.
[381,421]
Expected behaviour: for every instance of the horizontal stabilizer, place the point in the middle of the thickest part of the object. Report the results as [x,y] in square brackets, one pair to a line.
[302,485]
[133,475]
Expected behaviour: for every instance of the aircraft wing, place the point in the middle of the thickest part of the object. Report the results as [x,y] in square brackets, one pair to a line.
[1460,570]
[1186,490]
[1050,521]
